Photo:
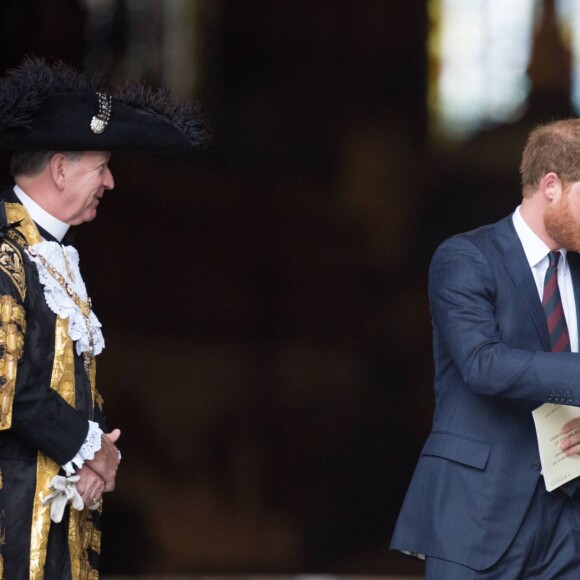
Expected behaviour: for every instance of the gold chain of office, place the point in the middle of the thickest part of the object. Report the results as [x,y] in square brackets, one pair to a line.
[85,306]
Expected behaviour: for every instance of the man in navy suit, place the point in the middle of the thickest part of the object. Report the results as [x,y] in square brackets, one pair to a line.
[477,506]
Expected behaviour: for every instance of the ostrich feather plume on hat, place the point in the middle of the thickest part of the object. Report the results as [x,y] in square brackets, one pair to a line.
[51,106]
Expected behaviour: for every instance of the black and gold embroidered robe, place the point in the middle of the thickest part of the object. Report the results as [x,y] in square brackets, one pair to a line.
[46,400]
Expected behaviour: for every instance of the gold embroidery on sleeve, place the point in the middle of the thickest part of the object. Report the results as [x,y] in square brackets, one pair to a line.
[12,265]
[12,330]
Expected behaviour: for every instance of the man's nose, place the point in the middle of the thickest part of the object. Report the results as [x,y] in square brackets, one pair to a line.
[109,182]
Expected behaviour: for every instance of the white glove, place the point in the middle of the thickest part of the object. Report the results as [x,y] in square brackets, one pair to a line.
[65,491]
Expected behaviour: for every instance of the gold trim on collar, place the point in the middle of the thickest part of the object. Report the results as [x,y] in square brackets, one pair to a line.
[16,212]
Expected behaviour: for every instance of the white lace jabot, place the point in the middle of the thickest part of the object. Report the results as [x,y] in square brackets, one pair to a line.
[85,332]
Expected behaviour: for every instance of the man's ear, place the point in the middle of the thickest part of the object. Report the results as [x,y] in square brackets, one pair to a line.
[550,185]
[57,165]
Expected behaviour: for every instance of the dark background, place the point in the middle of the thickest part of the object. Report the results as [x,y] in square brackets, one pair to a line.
[264,303]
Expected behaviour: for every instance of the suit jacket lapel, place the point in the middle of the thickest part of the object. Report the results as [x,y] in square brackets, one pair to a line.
[574,264]
[516,264]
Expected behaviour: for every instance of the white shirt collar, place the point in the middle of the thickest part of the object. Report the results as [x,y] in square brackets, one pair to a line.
[52,225]
[535,249]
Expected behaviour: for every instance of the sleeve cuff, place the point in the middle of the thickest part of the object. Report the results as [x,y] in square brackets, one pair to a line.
[88,449]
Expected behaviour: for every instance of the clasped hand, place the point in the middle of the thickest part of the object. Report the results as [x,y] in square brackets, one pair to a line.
[97,475]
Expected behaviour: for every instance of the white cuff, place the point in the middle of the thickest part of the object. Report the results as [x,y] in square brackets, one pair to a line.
[88,449]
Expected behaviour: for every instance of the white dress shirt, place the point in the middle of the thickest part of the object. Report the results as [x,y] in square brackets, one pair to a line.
[537,254]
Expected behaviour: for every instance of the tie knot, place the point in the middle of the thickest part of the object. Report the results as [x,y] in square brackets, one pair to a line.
[554,258]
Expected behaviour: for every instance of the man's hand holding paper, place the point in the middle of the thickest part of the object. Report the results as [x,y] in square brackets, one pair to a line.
[558,442]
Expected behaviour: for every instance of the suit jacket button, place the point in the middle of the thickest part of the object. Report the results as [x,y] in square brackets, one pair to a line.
[550,397]
[536,466]
[570,398]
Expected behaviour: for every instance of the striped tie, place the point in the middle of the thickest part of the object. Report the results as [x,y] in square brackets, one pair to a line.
[552,303]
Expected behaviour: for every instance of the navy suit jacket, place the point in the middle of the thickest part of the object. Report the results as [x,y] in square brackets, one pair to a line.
[480,465]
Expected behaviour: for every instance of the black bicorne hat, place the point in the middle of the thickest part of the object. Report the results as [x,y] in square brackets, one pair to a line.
[50,106]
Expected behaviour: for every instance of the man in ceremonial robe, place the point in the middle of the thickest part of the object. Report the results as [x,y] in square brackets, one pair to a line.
[57,456]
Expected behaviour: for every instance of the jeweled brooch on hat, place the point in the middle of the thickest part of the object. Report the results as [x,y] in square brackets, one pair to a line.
[100,121]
